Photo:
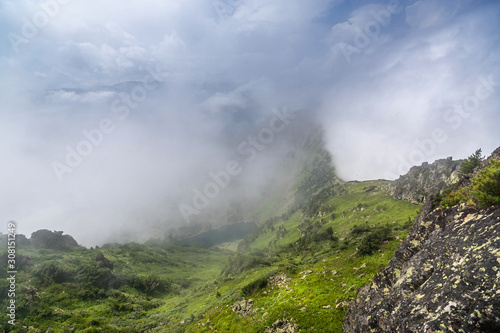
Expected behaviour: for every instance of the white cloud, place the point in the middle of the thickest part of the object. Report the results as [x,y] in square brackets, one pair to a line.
[394,100]
[245,57]
[428,13]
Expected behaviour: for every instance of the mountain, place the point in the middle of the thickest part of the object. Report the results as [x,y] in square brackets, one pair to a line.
[321,256]
[444,276]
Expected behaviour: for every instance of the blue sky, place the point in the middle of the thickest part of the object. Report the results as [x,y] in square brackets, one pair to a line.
[394,83]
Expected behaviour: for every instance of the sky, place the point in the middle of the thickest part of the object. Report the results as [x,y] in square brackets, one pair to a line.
[111,111]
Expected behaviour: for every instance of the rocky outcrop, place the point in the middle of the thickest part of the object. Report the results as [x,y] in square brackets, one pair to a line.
[423,181]
[445,277]
[283,326]
[44,239]
[52,240]
[280,280]
[244,307]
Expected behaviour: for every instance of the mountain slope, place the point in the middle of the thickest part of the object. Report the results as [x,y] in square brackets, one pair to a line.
[302,264]
[445,276]
[318,242]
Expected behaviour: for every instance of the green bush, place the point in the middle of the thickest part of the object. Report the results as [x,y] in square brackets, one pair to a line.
[52,272]
[486,186]
[359,229]
[89,274]
[243,262]
[483,191]
[371,242]
[255,285]
[151,284]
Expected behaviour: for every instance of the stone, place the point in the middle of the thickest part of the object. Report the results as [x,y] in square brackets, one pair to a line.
[283,326]
[444,277]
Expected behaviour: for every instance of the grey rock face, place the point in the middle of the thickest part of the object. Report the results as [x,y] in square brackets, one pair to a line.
[445,277]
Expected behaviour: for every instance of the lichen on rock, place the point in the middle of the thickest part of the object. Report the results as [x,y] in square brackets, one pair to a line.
[444,277]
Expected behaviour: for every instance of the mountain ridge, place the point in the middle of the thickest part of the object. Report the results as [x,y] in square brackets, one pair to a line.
[443,277]
[317,244]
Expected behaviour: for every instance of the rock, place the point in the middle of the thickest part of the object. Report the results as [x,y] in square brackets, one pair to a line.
[444,277]
[280,280]
[423,181]
[283,326]
[342,305]
[52,240]
[362,266]
[243,307]
[103,262]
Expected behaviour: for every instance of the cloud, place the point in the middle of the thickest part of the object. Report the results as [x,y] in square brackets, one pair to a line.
[405,91]
[182,83]
[425,14]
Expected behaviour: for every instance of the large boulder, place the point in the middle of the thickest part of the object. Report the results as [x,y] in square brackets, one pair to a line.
[52,240]
[445,277]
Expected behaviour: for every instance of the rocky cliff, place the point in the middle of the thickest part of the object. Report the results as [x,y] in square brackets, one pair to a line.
[445,277]
[422,181]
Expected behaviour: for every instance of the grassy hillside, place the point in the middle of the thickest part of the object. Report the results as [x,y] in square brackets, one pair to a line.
[314,262]
[118,288]
[319,271]
[318,241]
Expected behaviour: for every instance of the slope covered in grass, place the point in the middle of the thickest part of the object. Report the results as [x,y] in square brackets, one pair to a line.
[316,259]
[118,288]
[300,266]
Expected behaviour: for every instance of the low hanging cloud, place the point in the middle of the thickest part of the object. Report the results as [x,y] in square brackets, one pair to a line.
[139,101]
[395,96]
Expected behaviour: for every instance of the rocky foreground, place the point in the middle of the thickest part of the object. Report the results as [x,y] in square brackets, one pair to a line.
[445,277]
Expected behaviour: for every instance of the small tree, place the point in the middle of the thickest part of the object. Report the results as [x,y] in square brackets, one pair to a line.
[471,163]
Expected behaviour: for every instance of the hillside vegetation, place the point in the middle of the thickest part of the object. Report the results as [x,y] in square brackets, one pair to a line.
[298,271]
[444,276]
[316,263]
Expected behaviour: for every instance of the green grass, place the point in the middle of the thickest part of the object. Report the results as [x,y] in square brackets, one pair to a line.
[324,296]
[73,304]
[483,191]
[199,296]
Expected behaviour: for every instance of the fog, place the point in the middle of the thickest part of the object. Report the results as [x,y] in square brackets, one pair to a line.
[115,113]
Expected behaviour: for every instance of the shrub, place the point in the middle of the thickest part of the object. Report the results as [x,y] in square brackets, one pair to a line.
[486,186]
[359,229]
[371,242]
[52,272]
[483,191]
[89,274]
[243,262]
[151,284]
[255,285]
